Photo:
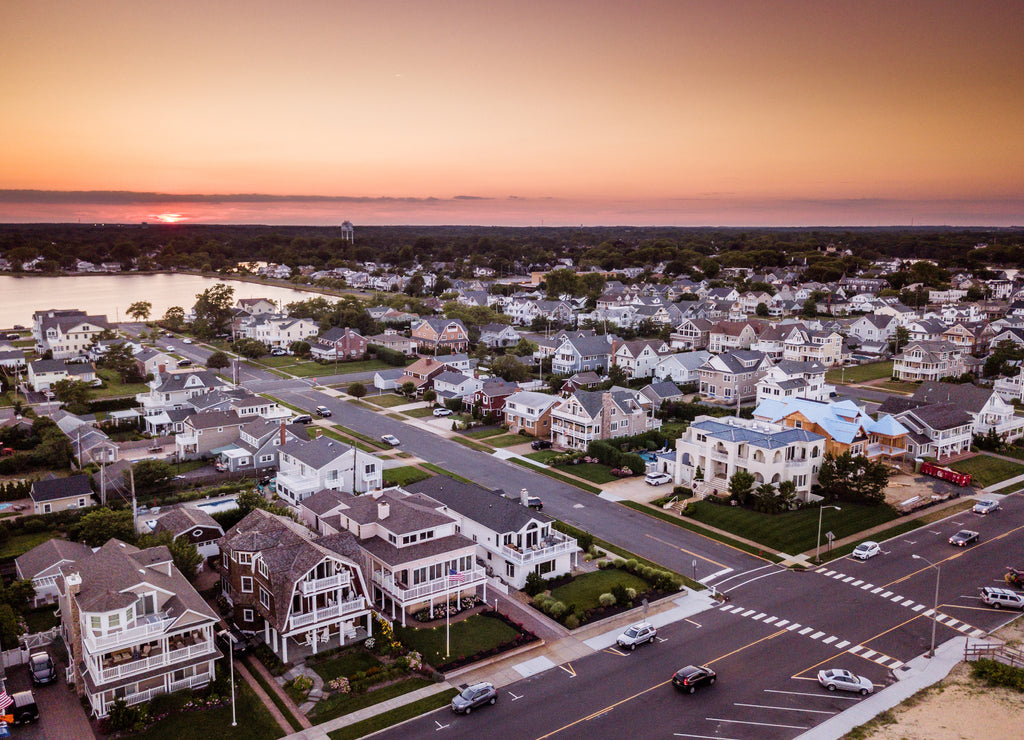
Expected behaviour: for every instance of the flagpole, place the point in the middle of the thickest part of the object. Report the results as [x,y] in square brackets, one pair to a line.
[448,615]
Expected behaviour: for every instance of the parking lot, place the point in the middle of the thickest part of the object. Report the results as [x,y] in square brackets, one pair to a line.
[61,715]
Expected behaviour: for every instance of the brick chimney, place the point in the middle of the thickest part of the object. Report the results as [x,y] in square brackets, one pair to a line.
[72,585]
[282,431]
[524,496]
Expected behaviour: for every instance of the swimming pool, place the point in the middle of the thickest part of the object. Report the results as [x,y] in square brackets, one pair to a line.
[5,506]
[218,506]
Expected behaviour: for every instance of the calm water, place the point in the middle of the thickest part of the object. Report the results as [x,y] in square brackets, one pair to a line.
[112,294]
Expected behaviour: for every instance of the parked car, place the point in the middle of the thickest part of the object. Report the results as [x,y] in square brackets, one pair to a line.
[997,598]
[985,506]
[1014,577]
[540,444]
[323,411]
[40,667]
[534,503]
[657,479]
[689,678]
[390,439]
[301,419]
[186,340]
[637,634]
[232,639]
[964,537]
[278,352]
[841,679]
[473,696]
[866,550]
[184,362]
[442,411]
[24,709]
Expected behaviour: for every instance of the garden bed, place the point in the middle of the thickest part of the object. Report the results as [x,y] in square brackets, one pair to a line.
[476,638]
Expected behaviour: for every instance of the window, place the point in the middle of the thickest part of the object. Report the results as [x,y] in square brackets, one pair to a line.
[114,620]
[246,584]
[264,597]
[247,615]
[245,558]
[46,508]
[96,623]
[510,570]
[262,568]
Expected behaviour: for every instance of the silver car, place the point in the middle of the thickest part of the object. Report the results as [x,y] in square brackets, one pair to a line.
[839,678]
[472,696]
[637,634]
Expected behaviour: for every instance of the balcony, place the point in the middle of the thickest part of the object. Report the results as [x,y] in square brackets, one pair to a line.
[297,485]
[338,580]
[348,606]
[878,450]
[424,590]
[154,624]
[142,665]
[550,548]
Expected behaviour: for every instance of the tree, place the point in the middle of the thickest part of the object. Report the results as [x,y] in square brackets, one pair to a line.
[184,553]
[251,348]
[855,479]
[357,390]
[140,310]
[415,285]
[525,348]
[508,367]
[218,361]
[300,348]
[101,525]
[11,628]
[121,360]
[150,475]
[213,309]
[174,318]
[73,393]
[762,309]
[430,395]
[810,308]
[561,282]
[900,339]
[408,388]
[740,486]
[617,375]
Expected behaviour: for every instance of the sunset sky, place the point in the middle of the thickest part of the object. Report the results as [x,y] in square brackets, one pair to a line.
[721,112]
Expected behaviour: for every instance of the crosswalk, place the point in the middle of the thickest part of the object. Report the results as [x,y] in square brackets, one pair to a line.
[821,636]
[882,593]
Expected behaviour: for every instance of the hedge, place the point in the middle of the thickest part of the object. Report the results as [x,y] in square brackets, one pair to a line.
[390,356]
[111,404]
[13,490]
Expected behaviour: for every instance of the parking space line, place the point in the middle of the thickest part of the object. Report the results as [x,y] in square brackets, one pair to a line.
[816,696]
[785,709]
[759,724]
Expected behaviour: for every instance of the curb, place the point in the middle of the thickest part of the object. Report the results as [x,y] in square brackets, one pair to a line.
[493,659]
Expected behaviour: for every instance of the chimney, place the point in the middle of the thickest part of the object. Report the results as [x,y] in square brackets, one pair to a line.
[429,362]
[319,432]
[524,496]
[282,431]
[383,510]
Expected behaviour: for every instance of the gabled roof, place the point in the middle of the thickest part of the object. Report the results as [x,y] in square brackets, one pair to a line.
[317,453]
[48,555]
[53,489]
[183,519]
[965,395]
[488,508]
[941,416]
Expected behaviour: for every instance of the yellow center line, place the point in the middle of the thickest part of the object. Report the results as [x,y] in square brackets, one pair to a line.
[683,549]
[610,707]
[954,556]
[862,643]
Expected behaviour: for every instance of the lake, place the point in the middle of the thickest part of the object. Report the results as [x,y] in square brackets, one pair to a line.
[112,294]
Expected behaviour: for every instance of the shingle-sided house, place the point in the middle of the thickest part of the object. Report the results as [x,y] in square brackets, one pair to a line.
[929,361]
[339,344]
[66,333]
[576,354]
[639,358]
[874,328]
[392,340]
[937,430]
[411,550]
[50,495]
[257,445]
[691,334]
[422,372]
[449,384]
[151,361]
[134,626]
[733,376]
[207,433]
[435,334]
[794,379]
[44,374]
[515,539]
[193,525]
[173,390]
[729,335]
[499,335]
[681,368]
[585,416]
[661,392]
[307,467]
[490,396]
[256,306]
[987,408]
[293,585]
[530,412]
[41,565]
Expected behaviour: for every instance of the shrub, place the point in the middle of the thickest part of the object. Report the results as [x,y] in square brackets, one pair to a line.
[619,563]
[619,592]
[535,584]
[539,600]
[585,541]
[593,551]
[631,565]
[631,593]
[998,674]
[604,564]
[556,609]
[606,599]
[571,622]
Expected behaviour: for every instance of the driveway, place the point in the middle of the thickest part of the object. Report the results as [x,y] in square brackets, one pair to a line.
[61,716]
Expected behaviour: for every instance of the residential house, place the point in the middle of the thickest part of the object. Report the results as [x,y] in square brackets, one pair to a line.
[205,434]
[12,360]
[41,565]
[387,380]
[292,585]
[276,331]
[661,392]
[257,445]
[44,374]
[970,338]
[987,408]
[490,397]
[681,368]
[436,334]
[809,345]
[174,390]
[638,359]
[450,384]
[792,379]
[153,362]
[845,426]
[306,467]
[134,626]
[392,340]
[873,329]
[410,546]
[50,495]
[499,335]
[591,415]
[938,430]
[515,539]
[929,361]
[194,525]
[577,354]
[729,335]
[530,412]
[339,344]
[772,453]
[66,333]
[256,306]
[926,330]
[732,377]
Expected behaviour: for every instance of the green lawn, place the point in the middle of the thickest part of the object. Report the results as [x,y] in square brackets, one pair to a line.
[312,430]
[341,704]
[404,476]
[898,386]
[345,664]
[585,590]
[674,429]
[42,619]
[794,531]
[467,637]
[113,387]
[419,413]
[860,373]
[441,471]
[369,440]
[255,722]
[387,400]
[542,456]
[507,440]
[282,361]
[556,475]
[484,433]
[594,472]
[393,717]
[19,544]
[471,444]
[986,470]
[315,369]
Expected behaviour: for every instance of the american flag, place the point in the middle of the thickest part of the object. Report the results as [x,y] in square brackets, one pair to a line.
[5,701]
[455,577]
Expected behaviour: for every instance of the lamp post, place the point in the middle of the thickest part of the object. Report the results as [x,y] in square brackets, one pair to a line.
[935,605]
[817,549]
[231,659]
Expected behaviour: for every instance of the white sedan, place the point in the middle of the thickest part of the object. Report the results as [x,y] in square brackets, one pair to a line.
[186,340]
[839,678]
[390,439]
[985,506]
[866,550]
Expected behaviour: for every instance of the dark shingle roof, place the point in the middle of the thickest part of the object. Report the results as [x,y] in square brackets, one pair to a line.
[488,508]
[52,489]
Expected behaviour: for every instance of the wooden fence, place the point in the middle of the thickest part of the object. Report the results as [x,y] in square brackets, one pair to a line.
[999,653]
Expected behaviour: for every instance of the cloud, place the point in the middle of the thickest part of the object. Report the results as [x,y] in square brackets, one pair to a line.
[128,197]
[471,197]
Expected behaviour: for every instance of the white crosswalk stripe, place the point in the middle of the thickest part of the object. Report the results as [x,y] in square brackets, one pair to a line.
[829,640]
[841,645]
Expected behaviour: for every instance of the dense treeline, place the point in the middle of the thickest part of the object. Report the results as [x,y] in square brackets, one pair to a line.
[506,249]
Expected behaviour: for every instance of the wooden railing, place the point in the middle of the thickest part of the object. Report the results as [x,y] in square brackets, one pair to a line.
[999,653]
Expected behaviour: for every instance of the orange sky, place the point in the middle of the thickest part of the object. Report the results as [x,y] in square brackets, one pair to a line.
[585,112]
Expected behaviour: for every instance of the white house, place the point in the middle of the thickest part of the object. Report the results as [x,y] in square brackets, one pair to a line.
[791,379]
[307,467]
[681,368]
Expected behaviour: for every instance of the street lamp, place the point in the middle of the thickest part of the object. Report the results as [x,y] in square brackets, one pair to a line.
[935,606]
[817,550]
[231,659]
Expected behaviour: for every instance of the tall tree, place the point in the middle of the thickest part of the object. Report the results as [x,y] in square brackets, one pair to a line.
[218,361]
[140,310]
[174,318]
[213,309]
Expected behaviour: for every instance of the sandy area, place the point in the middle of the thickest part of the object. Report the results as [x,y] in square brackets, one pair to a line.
[903,486]
[960,708]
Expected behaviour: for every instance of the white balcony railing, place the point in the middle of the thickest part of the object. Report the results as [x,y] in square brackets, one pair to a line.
[538,554]
[338,580]
[190,682]
[423,590]
[146,664]
[327,613]
[157,625]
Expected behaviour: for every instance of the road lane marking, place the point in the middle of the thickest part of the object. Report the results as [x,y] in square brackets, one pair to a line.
[817,635]
[918,607]
[755,578]
[683,549]
[769,620]
[782,623]
[514,697]
[805,630]
[692,622]
[857,582]
[876,589]
[569,669]
[887,594]
[847,579]
[908,602]
[816,696]
[440,726]
[841,645]
[830,640]
[748,612]
[707,579]
[759,724]
[702,737]
[759,617]
[785,709]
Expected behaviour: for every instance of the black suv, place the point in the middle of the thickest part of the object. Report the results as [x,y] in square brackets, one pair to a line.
[24,709]
[540,444]
[689,678]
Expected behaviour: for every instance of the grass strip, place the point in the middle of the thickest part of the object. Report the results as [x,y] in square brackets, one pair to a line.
[576,532]
[441,471]
[329,432]
[684,523]
[388,719]
[552,474]
[278,701]
[296,409]
[471,444]
[341,704]
[365,438]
